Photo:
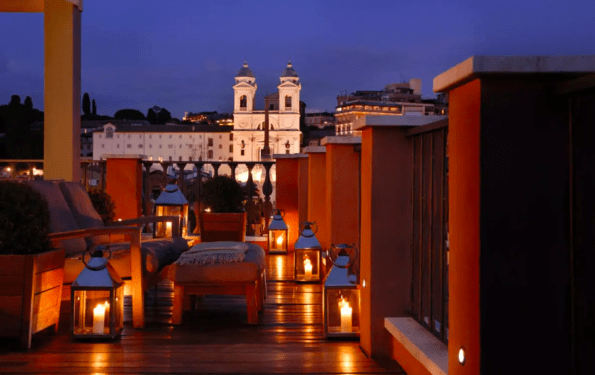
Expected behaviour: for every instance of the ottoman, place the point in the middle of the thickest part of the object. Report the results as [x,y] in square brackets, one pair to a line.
[220,268]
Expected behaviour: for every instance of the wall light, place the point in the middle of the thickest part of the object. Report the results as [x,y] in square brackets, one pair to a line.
[462,357]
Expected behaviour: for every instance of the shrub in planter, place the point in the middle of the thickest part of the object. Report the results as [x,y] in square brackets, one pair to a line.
[27,259]
[24,220]
[223,194]
[227,219]
[103,204]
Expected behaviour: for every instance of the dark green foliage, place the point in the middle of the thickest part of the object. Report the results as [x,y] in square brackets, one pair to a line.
[28,103]
[163,116]
[15,100]
[223,194]
[21,141]
[86,104]
[103,204]
[152,116]
[24,220]
[129,114]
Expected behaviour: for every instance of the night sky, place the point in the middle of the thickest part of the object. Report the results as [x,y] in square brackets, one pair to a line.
[183,54]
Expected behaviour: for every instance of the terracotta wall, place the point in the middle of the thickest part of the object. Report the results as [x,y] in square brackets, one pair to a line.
[385,234]
[342,200]
[317,196]
[464,169]
[288,195]
[124,184]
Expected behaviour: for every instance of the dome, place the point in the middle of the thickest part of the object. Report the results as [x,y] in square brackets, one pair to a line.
[289,71]
[245,71]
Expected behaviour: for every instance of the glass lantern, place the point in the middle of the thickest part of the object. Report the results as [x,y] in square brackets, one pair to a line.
[341,294]
[97,299]
[171,202]
[307,256]
[277,233]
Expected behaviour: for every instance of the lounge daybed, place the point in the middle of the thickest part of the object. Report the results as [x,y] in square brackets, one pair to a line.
[76,226]
[232,268]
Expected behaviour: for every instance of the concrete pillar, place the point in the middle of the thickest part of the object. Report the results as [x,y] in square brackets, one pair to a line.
[317,192]
[124,183]
[62,99]
[520,133]
[342,189]
[385,233]
[288,192]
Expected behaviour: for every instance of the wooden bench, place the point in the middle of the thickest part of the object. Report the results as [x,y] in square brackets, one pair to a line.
[247,277]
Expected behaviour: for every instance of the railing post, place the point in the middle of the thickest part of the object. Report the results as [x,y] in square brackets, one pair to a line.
[267,190]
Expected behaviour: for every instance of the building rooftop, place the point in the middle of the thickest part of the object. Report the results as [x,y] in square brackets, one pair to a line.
[172,129]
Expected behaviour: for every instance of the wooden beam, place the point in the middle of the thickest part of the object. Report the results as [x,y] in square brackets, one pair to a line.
[24,6]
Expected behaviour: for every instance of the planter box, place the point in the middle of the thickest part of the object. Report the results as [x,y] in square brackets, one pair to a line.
[30,294]
[222,227]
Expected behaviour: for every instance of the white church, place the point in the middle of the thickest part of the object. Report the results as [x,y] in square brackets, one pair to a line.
[283,111]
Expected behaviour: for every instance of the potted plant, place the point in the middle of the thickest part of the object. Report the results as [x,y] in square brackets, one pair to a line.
[223,217]
[31,272]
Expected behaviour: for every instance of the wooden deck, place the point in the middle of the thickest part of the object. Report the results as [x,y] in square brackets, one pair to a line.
[214,338]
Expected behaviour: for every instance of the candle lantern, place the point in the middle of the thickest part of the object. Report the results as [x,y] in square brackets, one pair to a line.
[97,299]
[341,294]
[307,256]
[277,233]
[171,202]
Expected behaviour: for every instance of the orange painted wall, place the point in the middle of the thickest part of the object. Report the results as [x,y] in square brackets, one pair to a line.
[342,176]
[406,360]
[287,195]
[464,227]
[317,197]
[386,229]
[123,182]
[303,189]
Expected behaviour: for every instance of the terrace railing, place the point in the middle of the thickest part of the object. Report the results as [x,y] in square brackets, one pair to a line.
[256,177]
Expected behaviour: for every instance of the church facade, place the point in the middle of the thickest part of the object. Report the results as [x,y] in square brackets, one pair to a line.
[283,112]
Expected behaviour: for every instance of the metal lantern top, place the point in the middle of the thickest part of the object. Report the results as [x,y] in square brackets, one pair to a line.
[278,223]
[307,238]
[171,196]
[98,273]
[341,256]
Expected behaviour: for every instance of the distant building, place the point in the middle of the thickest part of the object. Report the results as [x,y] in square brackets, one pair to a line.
[396,99]
[320,120]
[209,118]
[284,116]
[165,142]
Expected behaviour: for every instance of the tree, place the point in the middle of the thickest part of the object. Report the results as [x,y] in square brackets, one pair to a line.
[152,116]
[163,116]
[129,114]
[94,108]
[15,100]
[86,104]
[28,103]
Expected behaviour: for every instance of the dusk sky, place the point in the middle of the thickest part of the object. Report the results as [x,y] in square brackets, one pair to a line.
[183,54]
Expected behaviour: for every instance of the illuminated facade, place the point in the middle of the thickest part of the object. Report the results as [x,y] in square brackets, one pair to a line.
[284,116]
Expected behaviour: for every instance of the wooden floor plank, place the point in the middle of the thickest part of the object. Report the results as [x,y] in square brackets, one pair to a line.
[213,338]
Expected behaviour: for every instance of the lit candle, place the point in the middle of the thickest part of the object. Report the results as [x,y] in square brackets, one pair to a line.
[168,229]
[346,315]
[307,267]
[279,242]
[99,319]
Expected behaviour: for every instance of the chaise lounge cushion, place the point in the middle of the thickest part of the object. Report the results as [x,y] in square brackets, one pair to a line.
[61,217]
[244,271]
[80,204]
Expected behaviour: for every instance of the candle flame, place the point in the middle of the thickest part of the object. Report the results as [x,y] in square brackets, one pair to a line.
[279,240]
